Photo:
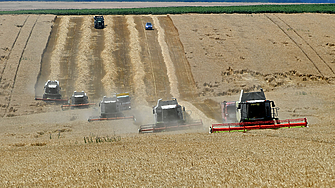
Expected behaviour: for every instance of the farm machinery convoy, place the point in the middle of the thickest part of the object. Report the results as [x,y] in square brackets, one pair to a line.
[111,107]
[252,111]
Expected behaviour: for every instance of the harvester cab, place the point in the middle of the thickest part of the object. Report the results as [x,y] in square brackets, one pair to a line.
[52,90]
[253,106]
[79,98]
[111,109]
[124,100]
[169,115]
[168,112]
[99,22]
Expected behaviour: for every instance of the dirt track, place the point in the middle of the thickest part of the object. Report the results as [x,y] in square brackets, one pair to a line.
[200,59]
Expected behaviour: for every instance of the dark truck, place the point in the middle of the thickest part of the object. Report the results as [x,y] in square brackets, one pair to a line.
[99,22]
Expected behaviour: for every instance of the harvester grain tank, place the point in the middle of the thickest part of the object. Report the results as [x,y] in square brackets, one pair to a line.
[124,100]
[229,111]
[168,115]
[253,106]
[254,111]
[110,107]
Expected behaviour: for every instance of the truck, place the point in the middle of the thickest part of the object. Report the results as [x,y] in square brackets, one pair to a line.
[99,22]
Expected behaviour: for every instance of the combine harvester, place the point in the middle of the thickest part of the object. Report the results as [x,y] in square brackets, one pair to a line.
[52,92]
[78,100]
[252,111]
[169,115]
[111,108]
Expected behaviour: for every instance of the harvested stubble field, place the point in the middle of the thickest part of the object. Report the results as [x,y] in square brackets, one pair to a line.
[201,60]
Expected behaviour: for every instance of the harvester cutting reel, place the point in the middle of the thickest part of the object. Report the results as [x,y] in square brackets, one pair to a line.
[52,100]
[111,118]
[161,127]
[72,106]
[270,124]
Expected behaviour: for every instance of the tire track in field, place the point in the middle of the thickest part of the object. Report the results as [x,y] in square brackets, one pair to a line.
[308,45]
[22,98]
[302,44]
[11,49]
[150,81]
[155,78]
[8,78]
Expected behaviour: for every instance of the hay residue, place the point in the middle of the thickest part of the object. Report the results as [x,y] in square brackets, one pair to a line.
[108,60]
[83,75]
[137,65]
[58,50]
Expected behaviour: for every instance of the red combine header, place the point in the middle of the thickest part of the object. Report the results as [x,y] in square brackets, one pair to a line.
[252,111]
[271,124]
